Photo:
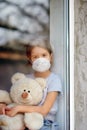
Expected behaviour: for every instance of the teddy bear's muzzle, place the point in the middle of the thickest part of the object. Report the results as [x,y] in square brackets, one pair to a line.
[24,95]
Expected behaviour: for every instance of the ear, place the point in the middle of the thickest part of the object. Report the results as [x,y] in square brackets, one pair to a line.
[42,82]
[17,76]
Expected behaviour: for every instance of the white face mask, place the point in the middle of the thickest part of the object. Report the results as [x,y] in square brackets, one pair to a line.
[41,64]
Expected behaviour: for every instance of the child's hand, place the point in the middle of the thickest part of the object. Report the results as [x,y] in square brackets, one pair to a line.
[2,108]
[11,111]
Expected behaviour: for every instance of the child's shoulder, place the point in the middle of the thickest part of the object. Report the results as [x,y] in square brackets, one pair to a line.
[54,75]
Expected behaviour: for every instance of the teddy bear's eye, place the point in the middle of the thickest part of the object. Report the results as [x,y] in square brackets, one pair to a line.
[24,90]
[28,91]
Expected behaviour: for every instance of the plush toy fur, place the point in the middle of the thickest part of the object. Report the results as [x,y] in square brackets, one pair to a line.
[25,91]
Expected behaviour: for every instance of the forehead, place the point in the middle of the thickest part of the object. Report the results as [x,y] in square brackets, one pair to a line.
[39,50]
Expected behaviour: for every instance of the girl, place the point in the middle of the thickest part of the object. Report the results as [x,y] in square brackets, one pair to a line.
[40,56]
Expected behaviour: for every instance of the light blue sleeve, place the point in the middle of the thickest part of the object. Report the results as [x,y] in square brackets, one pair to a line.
[54,83]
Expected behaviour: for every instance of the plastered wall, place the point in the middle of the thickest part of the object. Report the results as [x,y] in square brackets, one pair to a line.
[80,64]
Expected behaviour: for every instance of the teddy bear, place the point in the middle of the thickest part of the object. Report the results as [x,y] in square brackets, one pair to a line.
[27,91]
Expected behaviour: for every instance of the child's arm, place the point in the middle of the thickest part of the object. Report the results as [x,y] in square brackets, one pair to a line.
[44,109]
[2,108]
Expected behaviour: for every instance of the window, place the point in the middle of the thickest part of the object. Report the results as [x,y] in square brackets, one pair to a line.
[59,35]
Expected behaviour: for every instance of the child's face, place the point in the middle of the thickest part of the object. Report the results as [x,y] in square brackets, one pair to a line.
[38,52]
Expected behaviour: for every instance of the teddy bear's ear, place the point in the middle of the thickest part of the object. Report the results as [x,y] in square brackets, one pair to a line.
[42,82]
[17,76]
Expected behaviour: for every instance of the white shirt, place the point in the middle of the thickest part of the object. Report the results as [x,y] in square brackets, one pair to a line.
[53,84]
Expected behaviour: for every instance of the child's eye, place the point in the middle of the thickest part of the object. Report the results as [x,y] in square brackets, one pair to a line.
[33,58]
[44,55]
[28,91]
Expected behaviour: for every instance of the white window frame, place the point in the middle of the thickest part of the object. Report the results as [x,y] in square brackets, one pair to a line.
[71,7]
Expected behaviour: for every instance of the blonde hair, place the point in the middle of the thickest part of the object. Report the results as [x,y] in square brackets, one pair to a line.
[38,43]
